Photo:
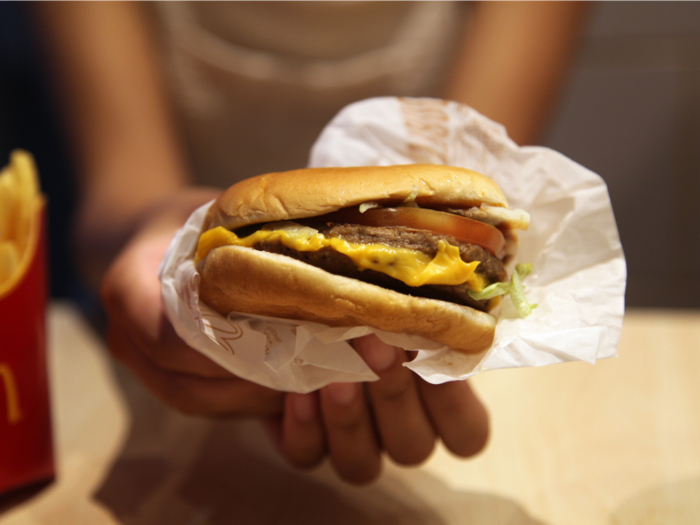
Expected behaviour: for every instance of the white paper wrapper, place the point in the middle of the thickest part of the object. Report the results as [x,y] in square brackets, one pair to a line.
[579,268]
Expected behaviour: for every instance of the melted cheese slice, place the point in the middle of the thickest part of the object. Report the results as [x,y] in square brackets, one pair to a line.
[409,266]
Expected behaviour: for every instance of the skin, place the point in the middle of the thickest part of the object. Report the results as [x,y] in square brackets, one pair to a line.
[406,418]
[512,62]
[118,115]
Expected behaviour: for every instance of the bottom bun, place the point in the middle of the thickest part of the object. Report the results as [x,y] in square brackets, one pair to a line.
[250,281]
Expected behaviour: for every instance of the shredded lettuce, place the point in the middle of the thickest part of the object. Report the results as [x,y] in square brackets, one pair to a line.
[514,288]
[490,291]
[517,292]
[523,269]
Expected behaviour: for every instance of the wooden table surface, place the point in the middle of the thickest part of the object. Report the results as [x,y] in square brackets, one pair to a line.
[613,444]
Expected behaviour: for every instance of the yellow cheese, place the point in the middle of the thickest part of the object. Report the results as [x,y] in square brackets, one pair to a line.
[409,266]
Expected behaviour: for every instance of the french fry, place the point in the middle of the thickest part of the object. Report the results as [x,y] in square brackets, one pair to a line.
[8,202]
[19,201]
[27,189]
[9,260]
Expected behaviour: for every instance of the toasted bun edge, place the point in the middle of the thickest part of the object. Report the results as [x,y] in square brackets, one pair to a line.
[250,281]
[316,191]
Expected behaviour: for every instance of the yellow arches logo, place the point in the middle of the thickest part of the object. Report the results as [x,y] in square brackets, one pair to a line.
[14,413]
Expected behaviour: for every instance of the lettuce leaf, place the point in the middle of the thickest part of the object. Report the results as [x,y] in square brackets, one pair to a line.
[514,288]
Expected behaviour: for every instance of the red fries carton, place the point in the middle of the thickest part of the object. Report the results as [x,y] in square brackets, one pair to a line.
[26,451]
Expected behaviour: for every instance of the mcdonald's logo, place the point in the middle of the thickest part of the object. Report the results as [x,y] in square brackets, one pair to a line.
[14,413]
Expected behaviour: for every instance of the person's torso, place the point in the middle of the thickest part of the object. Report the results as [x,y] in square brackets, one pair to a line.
[255,82]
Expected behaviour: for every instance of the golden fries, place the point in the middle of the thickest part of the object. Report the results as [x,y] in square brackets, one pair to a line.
[9,260]
[19,206]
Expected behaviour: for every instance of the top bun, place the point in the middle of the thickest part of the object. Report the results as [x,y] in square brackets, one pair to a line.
[316,191]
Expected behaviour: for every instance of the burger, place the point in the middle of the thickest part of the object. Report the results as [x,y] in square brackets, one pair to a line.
[417,249]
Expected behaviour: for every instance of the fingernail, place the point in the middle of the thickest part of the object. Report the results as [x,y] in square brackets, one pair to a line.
[342,393]
[304,407]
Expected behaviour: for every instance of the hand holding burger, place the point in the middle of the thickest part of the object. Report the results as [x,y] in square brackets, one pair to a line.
[405,418]
[420,249]
[399,414]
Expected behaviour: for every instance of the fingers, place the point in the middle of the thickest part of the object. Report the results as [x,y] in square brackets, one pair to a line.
[405,429]
[303,439]
[400,414]
[172,353]
[192,394]
[352,443]
[459,417]
[142,338]
[334,421]
[131,296]
[412,413]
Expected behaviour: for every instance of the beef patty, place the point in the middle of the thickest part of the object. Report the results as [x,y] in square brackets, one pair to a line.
[400,237]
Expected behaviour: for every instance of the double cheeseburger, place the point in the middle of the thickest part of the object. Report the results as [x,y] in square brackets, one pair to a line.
[404,249]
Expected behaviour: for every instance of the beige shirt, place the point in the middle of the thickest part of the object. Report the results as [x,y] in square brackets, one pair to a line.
[255,82]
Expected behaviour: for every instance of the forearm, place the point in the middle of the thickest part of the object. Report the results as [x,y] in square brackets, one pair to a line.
[118,118]
[513,60]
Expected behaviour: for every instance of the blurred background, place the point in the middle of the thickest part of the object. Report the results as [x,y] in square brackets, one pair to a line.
[28,120]
[630,112]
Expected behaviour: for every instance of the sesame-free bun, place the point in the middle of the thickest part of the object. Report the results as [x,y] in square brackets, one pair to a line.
[241,279]
[316,191]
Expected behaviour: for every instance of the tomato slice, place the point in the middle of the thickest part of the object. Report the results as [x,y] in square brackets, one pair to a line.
[439,222]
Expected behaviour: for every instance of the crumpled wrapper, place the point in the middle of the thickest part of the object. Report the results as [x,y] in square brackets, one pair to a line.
[578,280]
